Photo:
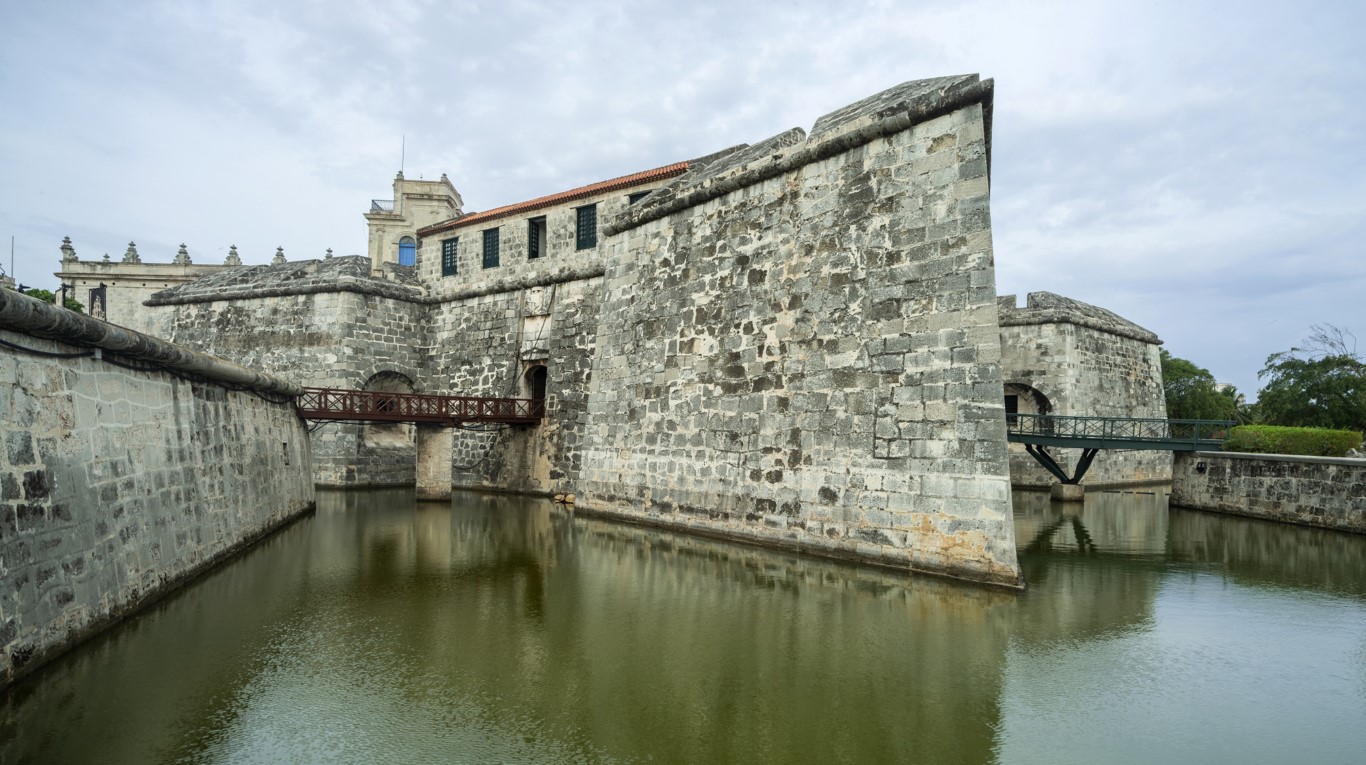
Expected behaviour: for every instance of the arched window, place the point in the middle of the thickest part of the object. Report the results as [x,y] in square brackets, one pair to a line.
[407,251]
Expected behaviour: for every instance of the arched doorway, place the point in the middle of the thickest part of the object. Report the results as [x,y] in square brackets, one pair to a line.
[407,251]
[534,385]
[1024,399]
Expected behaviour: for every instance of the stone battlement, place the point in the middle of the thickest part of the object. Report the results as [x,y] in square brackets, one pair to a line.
[345,274]
[1050,308]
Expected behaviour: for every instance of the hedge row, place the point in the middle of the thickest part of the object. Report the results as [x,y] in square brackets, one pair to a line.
[1273,439]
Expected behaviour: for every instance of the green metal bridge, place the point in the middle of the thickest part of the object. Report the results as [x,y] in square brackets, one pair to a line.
[1091,434]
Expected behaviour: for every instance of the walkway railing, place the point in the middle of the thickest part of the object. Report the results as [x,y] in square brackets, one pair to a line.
[382,406]
[1117,432]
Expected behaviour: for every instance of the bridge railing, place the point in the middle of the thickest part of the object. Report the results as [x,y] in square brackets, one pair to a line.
[1136,429]
[384,406]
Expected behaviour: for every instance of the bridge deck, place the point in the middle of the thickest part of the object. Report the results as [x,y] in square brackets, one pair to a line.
[1136,433]
[382,406]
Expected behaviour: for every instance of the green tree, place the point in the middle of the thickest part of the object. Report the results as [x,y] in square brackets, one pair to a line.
[1322,385]
[71,303]
[1193,394]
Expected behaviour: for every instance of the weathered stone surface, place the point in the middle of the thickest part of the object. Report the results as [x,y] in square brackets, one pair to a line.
[816,365]
[1064,357]
[118,483]
[328,324]
[1313,491]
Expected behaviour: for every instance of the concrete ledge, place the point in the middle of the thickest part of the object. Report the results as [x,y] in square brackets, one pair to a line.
[1307,460]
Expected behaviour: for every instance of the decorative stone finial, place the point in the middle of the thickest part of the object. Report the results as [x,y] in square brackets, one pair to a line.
[328,256]
[232,259]
[399,177]
[106,257]
[182,256]
[444,178]
[68,252]
[279,256]
[131,255]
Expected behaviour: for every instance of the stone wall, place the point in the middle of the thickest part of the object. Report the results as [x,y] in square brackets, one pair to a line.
[1329,492]
[320,323]
[1074,359]
[487,346]
[799,346]
[118,483]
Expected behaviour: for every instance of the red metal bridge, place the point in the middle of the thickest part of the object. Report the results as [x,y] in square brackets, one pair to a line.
[382,406]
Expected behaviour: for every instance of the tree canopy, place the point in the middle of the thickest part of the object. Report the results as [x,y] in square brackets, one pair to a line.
[72,304]
[1192,392]
[1322,385]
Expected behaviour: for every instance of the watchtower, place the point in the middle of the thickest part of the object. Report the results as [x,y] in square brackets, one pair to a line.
[393,223]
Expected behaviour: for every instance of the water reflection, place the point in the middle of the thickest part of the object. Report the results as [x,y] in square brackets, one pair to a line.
[499,628]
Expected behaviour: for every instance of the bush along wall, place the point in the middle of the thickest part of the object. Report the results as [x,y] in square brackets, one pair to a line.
[1274,439]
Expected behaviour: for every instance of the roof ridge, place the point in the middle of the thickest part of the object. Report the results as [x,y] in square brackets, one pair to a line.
[657,173]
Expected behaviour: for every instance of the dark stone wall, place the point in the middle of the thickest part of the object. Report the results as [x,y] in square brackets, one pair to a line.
[338,339]
[1314,491]
[117,484]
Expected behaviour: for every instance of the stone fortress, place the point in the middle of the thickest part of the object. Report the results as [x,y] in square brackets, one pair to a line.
[795,343]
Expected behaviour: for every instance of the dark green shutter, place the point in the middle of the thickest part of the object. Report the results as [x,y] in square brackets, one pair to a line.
[491,248]
[449,248]
[587,235]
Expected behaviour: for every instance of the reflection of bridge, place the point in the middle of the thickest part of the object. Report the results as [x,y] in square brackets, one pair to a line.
[383,406]
[1091,434]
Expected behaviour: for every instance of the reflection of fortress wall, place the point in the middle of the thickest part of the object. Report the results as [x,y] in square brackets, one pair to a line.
[659,596]
[1260,553]
[1083,603]
[1314,491]
[1085,361]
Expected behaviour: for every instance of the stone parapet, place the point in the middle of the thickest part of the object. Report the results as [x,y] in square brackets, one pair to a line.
[892,111]
[1328,492]
[118,484]
[307,277]
[41,319]
[1049,308]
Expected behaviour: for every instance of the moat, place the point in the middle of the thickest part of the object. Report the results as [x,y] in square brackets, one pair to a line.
[498,629]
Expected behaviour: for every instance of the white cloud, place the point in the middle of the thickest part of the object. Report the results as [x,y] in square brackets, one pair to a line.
[1194,168]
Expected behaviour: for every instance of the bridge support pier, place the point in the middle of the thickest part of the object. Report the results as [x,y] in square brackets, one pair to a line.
[1068,492]
[434,444]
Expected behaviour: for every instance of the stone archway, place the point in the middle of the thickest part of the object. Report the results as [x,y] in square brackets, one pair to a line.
[1025,399]
[534,382]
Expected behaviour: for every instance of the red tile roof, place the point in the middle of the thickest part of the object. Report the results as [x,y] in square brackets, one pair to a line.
[592,189]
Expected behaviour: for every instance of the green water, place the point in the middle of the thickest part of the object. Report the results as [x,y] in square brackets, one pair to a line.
[500,630]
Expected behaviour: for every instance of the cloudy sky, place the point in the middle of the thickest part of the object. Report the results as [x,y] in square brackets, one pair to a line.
[1196,167]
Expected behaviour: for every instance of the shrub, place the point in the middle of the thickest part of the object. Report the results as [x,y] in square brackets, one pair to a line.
[1273,439]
